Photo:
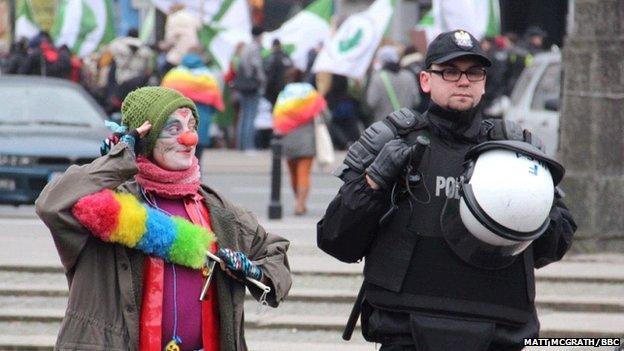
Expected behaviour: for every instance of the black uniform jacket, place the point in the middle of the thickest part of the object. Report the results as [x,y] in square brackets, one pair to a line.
[350,231]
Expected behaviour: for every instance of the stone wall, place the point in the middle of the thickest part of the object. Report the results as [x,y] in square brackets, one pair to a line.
[592,124]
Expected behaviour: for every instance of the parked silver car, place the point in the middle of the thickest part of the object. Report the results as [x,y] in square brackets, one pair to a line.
[535,99]
[46,124]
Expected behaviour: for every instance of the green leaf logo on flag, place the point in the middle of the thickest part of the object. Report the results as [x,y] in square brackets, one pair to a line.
[354,37]
[350,43]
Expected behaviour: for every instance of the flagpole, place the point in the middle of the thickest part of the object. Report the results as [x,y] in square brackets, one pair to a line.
[12,9]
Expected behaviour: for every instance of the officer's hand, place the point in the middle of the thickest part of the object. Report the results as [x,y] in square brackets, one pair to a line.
[499,129]
[390,163]
[238,262]
[534,140]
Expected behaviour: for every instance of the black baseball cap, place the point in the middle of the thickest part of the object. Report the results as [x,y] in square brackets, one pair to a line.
[454,44]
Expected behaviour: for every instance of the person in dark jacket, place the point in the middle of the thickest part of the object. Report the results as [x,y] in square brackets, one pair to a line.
[17,55]
[345,109]
[276,65]
[418,294]
[495,86]
[44,59]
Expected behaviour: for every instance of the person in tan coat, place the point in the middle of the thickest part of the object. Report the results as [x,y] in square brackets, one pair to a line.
[181,35]
[132,229]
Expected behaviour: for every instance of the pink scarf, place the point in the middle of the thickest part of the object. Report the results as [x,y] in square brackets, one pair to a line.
[165,183]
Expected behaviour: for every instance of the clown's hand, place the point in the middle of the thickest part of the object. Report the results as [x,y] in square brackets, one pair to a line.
[238,262]
[120,133]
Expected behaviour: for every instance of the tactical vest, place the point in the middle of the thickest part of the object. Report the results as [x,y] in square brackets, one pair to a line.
[410,266]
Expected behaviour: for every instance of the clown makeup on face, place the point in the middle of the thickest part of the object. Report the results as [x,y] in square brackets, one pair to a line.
[175,147]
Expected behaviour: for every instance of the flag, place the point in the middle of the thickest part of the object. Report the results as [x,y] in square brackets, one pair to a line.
[147,28]
[493,26]
[205,9]
[83,25]
[303,32]
[350,51]
[25,25]
[447,15]
[230,26]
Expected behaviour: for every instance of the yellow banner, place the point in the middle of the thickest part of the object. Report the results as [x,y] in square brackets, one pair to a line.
[43,10]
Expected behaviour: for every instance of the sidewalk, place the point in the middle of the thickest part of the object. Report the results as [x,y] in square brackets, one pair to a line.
[233,161]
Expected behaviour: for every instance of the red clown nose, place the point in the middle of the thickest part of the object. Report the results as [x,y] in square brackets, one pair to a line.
[188,139]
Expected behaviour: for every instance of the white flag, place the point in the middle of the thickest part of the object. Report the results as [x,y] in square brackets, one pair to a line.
[205,9]
[448,15]
[303,32]
[230,26]
[25,25]
[83,25]
[350,51]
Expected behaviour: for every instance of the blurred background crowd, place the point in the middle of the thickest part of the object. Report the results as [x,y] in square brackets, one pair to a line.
[237,91]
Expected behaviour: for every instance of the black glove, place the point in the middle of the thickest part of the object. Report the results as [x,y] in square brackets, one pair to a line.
[498,129]
[534,140]
[390,163]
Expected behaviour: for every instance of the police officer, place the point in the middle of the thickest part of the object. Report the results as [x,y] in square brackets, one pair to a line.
[419,294]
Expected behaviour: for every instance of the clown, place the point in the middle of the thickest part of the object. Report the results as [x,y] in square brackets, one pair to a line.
[132,229]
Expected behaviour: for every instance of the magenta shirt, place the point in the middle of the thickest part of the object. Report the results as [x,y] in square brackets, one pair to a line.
[189,285]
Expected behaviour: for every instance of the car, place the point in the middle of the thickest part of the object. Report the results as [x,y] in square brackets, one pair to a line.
[536,97]
[46,125]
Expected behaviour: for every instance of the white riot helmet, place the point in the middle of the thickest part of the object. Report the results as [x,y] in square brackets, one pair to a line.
[507,192]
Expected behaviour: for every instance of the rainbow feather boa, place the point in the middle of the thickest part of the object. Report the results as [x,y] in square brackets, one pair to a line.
[296,105]
[121,218]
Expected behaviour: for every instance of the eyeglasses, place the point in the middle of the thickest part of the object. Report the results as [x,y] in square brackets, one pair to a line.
[474,74]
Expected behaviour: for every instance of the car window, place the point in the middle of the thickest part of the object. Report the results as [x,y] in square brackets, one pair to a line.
[52,105]
[548,87]
[523,83]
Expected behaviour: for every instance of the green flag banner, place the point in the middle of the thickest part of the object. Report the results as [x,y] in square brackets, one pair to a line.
[350,51]
[304,31]
[83,25]
[25,25]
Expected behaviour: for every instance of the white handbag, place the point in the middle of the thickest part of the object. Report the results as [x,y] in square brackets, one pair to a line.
[324,146]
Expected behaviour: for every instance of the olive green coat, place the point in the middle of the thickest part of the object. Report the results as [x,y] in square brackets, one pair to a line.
[106,280]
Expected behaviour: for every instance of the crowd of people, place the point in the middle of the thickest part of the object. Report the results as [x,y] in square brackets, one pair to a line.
[242,117]
[451,212]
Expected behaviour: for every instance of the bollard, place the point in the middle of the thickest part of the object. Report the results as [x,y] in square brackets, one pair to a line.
[275,206]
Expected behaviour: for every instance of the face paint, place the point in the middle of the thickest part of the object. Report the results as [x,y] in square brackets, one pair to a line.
[175,146]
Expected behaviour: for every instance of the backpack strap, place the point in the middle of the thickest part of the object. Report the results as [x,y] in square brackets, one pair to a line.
[389,90]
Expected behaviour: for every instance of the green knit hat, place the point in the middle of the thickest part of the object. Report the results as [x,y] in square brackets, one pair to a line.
[154,104]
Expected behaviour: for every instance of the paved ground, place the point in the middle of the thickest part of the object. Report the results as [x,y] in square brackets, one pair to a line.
[323,286]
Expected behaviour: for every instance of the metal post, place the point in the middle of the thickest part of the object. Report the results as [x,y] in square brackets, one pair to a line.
[275,206]
[12,10]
